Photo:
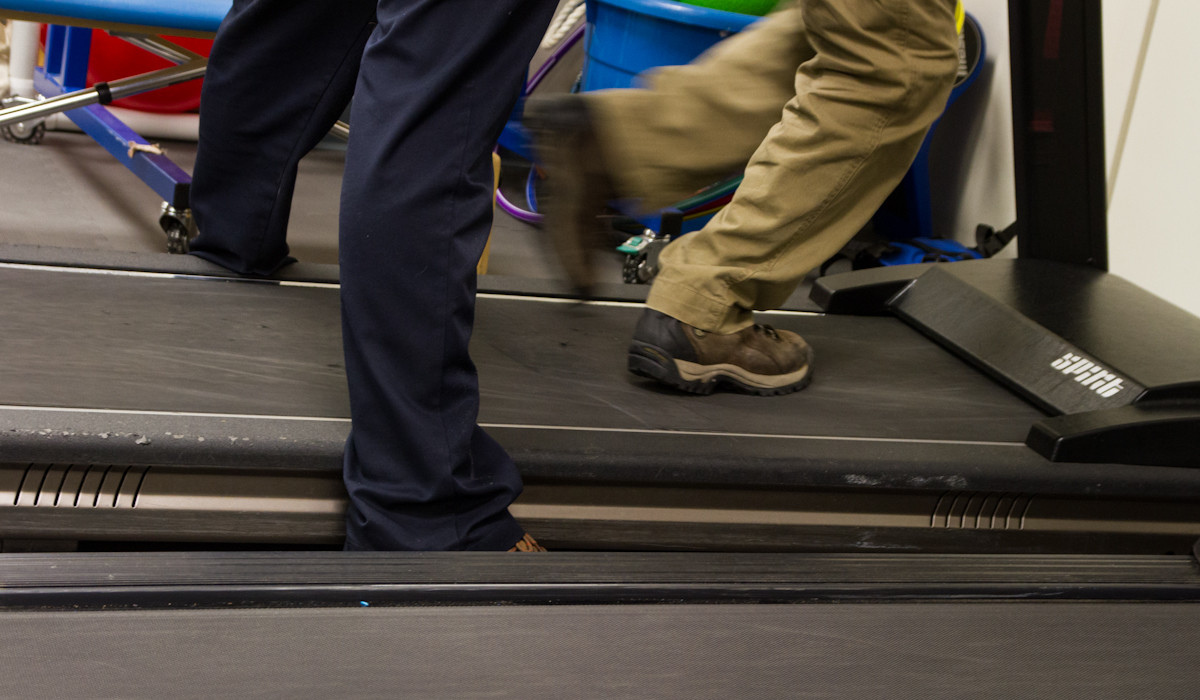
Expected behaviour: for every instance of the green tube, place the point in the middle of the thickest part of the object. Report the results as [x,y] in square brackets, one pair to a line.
[707,195]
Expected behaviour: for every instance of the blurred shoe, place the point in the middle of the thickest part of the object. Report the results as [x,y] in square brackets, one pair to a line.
[527,544]
[757,360]
[577,184]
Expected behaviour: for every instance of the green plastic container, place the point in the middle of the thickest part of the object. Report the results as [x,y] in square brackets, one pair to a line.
[743,7]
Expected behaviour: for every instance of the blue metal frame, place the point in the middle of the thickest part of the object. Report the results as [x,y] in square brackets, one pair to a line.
[202,16]
[65,71]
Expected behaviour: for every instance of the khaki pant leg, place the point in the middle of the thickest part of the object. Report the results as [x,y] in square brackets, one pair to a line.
[880,76]
[699,123]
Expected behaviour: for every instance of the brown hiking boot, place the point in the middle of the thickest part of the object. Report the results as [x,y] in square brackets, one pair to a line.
[578,187]
[757,360]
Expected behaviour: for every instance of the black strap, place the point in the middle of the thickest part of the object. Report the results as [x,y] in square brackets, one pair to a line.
[103,92]
[862,252]
[989,241]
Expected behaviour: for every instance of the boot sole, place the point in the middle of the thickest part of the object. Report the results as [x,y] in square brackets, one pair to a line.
[646,360]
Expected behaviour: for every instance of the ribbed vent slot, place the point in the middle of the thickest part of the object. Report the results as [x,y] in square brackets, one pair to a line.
[80,486]
[975,510]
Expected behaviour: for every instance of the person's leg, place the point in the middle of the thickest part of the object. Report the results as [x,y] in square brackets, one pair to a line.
[437,83]
[280,74]
[881,73]
[880,76]
[836,136]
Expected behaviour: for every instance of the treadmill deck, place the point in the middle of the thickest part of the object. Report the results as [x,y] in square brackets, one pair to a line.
[152,398]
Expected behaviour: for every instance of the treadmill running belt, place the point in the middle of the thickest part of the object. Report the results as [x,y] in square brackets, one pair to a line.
[144,343]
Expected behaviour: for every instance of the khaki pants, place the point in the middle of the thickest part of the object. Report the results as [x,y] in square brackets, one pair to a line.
[824,103]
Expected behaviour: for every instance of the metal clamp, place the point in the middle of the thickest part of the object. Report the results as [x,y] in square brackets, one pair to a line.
[641,256]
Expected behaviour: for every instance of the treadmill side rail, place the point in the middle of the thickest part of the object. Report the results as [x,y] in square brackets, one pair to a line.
[1153,433]
[864,292]
[1073,341]
[64,502]
[1030,359]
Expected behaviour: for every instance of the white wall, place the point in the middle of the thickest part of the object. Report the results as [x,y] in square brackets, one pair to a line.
[1154,210]
[971,157]
[1153,219]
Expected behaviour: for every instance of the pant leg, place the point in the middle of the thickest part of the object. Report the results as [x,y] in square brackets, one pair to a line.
[280,74]
[880,76]
[438,80]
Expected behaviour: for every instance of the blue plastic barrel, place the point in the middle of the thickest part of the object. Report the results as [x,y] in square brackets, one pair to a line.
[626,37]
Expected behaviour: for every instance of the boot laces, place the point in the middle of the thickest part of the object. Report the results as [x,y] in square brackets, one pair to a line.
[766,330]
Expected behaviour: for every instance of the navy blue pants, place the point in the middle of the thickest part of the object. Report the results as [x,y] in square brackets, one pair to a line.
[433,82]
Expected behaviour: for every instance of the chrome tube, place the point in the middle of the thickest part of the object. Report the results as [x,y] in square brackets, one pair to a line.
[116,89]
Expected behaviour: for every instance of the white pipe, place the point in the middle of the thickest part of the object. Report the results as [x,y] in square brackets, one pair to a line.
[23,55]
[174,127]
[1131,100]
[3,58]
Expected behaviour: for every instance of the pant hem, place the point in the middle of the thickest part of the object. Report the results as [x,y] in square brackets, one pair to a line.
[697,309]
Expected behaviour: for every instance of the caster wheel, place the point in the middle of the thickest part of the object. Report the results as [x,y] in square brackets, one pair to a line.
[631,270]
[177,224]
[24,133]
[177,238]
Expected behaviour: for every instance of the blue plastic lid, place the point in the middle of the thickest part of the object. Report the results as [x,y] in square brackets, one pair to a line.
[192,15]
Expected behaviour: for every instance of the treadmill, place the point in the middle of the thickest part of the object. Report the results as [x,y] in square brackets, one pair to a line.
[144,406]
[930,524]
[157,399]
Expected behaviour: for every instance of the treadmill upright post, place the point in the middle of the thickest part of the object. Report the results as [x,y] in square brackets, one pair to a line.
[1058,130]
